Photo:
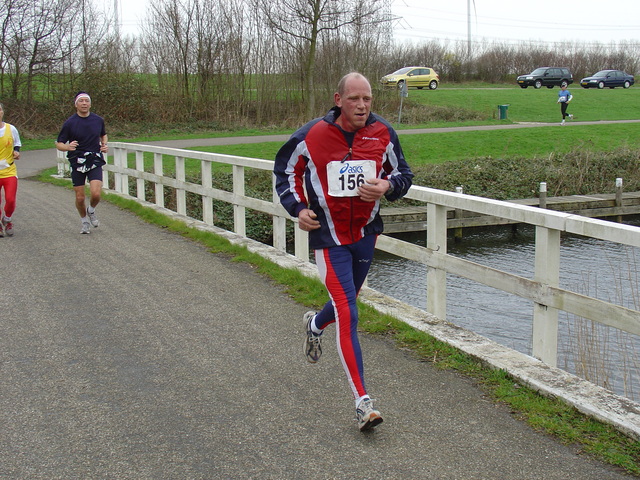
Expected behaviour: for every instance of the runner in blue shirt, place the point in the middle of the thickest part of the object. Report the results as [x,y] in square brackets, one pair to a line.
[564,97]
[84,138]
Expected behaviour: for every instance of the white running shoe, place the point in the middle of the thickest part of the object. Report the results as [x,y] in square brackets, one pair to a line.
[367,416]
[86,228]
[92,218]
[8,227]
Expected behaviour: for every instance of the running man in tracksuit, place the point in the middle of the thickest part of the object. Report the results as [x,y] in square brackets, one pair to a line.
[331,175]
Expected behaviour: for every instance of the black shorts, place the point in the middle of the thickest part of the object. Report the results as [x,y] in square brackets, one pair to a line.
[80,178]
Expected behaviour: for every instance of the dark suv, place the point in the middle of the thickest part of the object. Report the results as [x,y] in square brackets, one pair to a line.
[546,76]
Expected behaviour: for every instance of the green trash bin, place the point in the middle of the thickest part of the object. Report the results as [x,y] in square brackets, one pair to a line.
[502,112]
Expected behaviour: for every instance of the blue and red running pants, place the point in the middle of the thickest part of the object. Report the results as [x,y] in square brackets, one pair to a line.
[343,270]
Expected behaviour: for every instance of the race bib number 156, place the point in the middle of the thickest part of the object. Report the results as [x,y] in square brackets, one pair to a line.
[344,178]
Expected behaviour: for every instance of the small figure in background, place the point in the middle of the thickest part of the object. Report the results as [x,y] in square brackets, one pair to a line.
[564,97]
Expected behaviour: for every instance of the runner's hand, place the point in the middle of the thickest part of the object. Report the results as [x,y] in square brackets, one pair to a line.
[307,220]
[373,189]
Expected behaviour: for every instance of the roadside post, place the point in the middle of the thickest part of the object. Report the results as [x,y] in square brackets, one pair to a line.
[404,92]
[619,196]
[543,195]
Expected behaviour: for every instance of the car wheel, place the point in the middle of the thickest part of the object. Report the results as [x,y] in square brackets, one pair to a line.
[538,84]
[600,85]
[433,85]
[400,84]
[627,84]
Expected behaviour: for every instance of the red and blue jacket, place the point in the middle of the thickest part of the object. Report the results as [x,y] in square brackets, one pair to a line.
[301,176]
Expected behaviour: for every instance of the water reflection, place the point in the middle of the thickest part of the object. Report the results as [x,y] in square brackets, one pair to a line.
[604,270]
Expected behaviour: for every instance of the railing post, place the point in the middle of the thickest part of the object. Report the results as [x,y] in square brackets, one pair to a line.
[158,170]
[121,180]
[181,194]
[63,163]
[116,176]
[457,234]
[437,279]
[279,222]
[141,194]
[545,318]
[301,238]
[207,202]
[301,243]
[239,219]
[105,173]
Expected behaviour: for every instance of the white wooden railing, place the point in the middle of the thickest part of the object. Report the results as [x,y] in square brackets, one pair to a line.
[543,289]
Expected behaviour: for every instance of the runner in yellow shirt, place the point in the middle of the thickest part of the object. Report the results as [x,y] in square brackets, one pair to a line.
[9,152]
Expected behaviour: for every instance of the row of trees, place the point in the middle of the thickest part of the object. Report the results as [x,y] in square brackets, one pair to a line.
[227,62]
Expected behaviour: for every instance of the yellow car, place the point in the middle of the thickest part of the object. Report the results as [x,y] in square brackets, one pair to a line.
[418,77]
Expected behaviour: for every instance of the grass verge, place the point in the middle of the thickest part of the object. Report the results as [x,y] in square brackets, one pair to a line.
[543,414]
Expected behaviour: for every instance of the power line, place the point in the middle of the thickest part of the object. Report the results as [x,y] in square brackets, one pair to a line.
[413,24]
[511,22]
[442,35]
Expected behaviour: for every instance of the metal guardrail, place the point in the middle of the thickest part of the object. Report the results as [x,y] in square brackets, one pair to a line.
[543,289]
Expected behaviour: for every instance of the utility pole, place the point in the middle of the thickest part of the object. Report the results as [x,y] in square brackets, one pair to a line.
[469,29]
[389,21]
[116,18]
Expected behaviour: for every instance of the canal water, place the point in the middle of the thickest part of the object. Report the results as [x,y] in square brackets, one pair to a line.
[604,270]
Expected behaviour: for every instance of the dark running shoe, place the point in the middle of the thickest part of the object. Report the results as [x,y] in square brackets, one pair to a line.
[312,341]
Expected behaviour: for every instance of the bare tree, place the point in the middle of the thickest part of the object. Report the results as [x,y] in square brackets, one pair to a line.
[168,40]
[301,23]
[10,12]
[36,38]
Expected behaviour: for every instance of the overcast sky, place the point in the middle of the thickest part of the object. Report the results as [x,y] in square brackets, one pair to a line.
[500,20]
[512,21]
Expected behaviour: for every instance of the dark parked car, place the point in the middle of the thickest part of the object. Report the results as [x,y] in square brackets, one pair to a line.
[608,78]
[547,77]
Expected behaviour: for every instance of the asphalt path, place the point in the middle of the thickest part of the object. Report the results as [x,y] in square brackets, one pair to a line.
[133,353]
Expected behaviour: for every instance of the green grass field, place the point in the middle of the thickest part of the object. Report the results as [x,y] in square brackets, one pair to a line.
[430,148]
[525,106]
[531,105]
